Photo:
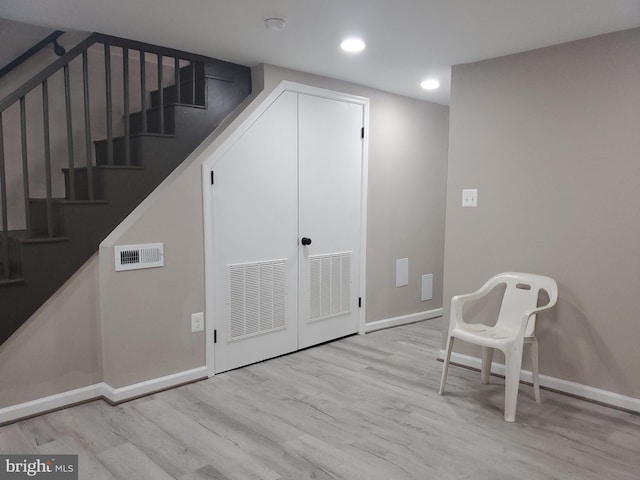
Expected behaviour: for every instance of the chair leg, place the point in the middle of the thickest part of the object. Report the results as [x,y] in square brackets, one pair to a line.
[487,358]
[513,364]
[534,367]
[445,368]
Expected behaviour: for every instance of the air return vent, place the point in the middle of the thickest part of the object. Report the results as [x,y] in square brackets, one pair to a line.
[256,299]
[329,286]
[134,257]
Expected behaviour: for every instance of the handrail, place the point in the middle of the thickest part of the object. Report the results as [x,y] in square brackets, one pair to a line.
[46,73]
[51,38]
[85,44]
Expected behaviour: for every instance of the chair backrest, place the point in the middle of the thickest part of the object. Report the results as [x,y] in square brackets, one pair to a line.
[521,294]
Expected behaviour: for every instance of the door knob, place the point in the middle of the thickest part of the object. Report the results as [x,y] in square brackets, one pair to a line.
[305,241]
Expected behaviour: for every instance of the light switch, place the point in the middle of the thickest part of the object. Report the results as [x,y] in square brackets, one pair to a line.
[402,272]
[470,197]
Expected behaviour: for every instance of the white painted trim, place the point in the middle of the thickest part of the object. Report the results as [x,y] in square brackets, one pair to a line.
[403,320]
[363,219]
[212,154]
[116,395]
[557,384]
[52,402]
[96,391]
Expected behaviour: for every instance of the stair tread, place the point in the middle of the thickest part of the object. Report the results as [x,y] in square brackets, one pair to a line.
[23,237]
[172,104]
[140,134]
[38,240]
[11,281]
[107,167]
[66,201]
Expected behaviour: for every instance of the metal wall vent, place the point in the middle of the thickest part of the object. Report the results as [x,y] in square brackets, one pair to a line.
[134,257]
[329,286]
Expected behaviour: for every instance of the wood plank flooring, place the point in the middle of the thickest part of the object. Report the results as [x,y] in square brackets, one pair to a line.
[364,407]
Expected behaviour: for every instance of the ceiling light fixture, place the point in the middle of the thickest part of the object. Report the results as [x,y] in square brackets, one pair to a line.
[275,23]
[352,45]
[430,84]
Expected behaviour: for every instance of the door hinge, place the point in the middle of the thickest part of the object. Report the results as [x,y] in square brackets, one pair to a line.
[211,177]
[215,336]
[362,132]
[359,302]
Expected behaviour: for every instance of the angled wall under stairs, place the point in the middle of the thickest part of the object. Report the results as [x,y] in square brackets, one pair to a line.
[63,233]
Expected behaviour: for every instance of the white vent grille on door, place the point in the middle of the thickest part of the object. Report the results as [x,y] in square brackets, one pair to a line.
[329,285]
[256,298]
[133,257]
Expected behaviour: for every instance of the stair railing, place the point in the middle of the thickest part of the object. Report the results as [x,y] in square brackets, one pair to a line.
[51,38]
[85,95]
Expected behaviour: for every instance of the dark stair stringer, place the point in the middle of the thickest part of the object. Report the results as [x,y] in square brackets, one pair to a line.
[39,266]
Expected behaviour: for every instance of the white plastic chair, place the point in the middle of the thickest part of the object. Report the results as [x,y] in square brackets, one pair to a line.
[515,327]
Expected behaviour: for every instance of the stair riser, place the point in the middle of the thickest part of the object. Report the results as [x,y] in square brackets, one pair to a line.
[119,157]
[186,94]
[153,121]
[15,258]
[38,217]
[81,184]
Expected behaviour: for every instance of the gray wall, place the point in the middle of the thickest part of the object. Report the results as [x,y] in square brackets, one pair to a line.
[551,138]
[131,327]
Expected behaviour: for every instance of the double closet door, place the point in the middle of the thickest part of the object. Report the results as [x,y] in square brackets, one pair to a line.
[287,230]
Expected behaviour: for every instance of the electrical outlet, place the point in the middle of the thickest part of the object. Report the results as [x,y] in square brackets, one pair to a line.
[197,322]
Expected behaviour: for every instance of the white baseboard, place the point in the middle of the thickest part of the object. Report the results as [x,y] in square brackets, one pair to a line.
[52,402]
[98,390]
[403,320]
[557,384]
[117,395]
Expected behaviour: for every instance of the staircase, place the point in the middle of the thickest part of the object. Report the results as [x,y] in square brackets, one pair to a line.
[60,234]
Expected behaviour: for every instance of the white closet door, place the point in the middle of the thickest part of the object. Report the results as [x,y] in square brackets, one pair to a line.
[330,156]
[255,232]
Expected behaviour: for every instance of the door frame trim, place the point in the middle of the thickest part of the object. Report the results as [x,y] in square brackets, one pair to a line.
[208,165]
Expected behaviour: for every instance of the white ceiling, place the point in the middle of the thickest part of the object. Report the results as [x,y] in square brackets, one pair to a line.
[407,40]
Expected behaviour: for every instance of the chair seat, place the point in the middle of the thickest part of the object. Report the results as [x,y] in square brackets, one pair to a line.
[484,335]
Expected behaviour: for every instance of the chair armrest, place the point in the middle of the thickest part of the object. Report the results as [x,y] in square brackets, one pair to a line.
[529,313]
[457,303]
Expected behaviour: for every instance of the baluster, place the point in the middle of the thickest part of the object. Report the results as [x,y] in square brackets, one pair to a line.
[176,70]
[107,69]
[3,201]
[161,94]
[67,101]
[47,156]
[25,165]
[143,91]
[193,82]
[127,133]
[87,122]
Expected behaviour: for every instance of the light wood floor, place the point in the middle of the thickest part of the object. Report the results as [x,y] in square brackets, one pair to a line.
[365,407]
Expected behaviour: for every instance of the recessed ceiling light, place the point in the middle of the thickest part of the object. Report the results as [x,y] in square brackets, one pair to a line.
[430,84]
[352,45]
[275,23]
